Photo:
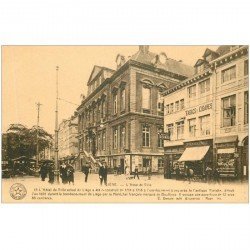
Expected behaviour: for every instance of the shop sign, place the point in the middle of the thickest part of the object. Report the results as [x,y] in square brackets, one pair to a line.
[199,109]
[226,145]
[198,143]
[165,136]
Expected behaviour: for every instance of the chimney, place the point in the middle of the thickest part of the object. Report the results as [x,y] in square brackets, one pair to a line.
[144,48]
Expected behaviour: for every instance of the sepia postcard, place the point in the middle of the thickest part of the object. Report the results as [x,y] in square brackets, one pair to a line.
[125,124]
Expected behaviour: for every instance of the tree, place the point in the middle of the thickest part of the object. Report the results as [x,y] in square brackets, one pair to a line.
[21,141]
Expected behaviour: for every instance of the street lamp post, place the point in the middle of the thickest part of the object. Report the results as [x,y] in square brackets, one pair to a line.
[56,131]
[37,133]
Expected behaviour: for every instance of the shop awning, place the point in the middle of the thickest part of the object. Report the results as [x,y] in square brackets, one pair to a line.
[226,139]
[194,153]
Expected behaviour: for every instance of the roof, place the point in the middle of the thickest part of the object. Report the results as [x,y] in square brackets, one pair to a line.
[209,51]
[223,49]
[199,62]
[170,65]
[96,70]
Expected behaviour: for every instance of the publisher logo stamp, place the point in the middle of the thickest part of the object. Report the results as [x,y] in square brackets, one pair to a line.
[18,191]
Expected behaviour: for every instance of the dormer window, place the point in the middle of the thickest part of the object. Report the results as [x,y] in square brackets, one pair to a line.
[199,68]
[208,58]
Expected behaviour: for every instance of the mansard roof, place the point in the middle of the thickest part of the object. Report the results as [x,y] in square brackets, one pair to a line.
[170,65]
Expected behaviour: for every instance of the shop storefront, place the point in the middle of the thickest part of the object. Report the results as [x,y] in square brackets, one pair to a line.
[227,156]
[197,156]
[172,155]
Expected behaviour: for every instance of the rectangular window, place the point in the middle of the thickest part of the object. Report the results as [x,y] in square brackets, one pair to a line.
[160,140]
[205,125]
[180,130]
[115,103]
[177,106]
[170,130]
[160,164]
[192,127]
[160,106]
[228,74]
[104,140]
[229,111]
[146,98]
[145,136]
[182,106]
[167,110]
[246,108]
[122,137]
[103,109]
[204,87]
[246,68]
[192,92]
[98,112]
[171,108]
[122,99]
[115,138]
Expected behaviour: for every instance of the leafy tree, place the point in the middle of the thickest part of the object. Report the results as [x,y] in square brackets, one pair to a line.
[21,141]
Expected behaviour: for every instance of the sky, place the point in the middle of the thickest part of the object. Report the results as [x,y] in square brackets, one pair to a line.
[29,76]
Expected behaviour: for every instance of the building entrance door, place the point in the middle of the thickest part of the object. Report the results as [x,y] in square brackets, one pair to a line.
[122,165]
[146,164]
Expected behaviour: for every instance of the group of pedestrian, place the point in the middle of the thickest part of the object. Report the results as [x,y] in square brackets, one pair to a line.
[47,170]
[67,173]
[103,172]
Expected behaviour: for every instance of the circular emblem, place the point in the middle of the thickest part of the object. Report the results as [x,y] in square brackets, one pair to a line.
[18,191]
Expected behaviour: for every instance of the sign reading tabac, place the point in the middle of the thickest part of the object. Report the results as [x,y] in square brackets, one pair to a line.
[76,132]
[199,109]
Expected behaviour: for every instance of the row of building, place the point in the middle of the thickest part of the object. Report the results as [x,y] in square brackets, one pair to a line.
[157,113]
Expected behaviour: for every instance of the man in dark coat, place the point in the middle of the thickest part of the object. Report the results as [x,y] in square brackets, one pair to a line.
[70,174]
[51,174]
[103,173]
[136,173]
[63,173]
[86,171]
[43,171]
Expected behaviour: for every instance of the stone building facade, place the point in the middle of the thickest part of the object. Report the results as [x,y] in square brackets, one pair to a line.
[206,115]
[121,119]
[67,140]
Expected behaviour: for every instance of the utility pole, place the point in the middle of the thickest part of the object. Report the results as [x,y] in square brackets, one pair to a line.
[56,131]
[37,133]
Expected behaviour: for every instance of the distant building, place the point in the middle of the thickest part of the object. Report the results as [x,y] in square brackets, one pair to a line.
[121,119]
[206,115]
[67,140]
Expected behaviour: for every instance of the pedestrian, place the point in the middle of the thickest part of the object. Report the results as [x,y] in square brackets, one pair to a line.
[63,173]
[149,173]
[127,172]
[86,171]
[70,173]
[136,173]
[208,172]
[103,173]
[216,176]
[43,172]
[190,173]
[51,174]
[177,172]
